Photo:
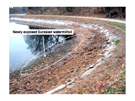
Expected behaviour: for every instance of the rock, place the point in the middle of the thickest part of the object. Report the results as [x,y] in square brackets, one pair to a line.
[103,46]
[68,80]
[29,89]
[73,80]
[101,28]
[75,70]
[95,28]
[82,72]
[94,36]
[88,37]
[88,24]
[102,55]
[56,89]
[90,67]
[101,31]
[108,43]
[99,60]
[38,90]
[108,56]
[123,65]
[81,53]
[111,38]
[106,39]
[106,53]
[103,50]
[53,77]
[70,87]
[83,65]
[72,70]
[105,31]
[11,83]
[61,63]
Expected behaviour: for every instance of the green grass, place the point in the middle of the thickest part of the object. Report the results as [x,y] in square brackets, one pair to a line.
[115,30]
[120,25]
[110,90]
[124,72]
[81,89]
[115,50]
[118,56]
[118,88]
[110,66]
[123,26]
[117,41]
[74,81]
[123,89]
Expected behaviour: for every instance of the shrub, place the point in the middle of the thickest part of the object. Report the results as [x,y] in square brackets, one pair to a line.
[69,9]
[117,41]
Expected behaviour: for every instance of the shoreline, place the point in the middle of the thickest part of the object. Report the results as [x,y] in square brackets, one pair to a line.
[85,43]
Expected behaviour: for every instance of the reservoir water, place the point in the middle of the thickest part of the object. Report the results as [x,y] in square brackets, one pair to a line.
[23,47]
[18,52]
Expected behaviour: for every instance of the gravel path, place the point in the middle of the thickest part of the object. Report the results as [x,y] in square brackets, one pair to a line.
[112,20]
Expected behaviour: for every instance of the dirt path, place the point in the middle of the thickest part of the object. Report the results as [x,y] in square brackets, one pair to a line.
[105,19]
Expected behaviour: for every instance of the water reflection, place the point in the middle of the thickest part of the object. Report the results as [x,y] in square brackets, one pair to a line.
[35,42]
[23,47]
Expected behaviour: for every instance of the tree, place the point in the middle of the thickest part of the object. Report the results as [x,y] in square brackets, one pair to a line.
[89,10]
[10,10]
[69,9]
[83,10]
[108,9]
[59,8]
[102,10]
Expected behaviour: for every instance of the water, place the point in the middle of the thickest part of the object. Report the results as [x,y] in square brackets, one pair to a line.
[18,52]
[24,47]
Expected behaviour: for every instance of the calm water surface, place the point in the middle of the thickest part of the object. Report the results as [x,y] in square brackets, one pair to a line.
[24,47]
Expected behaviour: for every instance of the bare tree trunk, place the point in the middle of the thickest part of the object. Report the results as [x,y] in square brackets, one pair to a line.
[83,10]
[89,10]
[79,12]
[102,10]
[59,8]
